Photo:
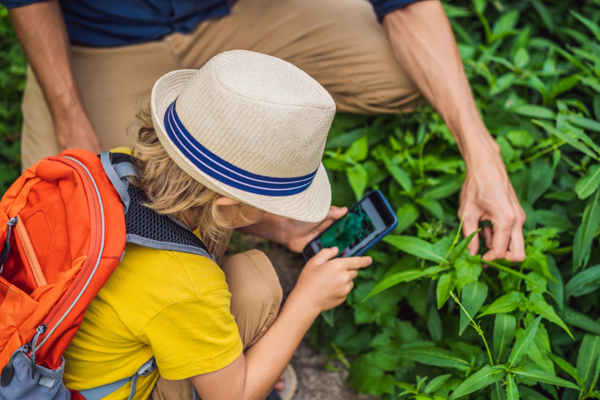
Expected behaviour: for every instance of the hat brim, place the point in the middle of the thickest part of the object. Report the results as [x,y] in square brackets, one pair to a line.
[311,205]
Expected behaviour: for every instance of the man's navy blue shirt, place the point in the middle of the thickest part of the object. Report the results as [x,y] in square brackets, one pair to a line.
[107,23]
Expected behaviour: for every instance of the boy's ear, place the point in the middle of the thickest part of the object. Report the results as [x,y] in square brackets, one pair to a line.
[226,201]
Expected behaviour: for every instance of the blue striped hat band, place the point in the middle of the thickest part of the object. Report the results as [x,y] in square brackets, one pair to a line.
[219,169]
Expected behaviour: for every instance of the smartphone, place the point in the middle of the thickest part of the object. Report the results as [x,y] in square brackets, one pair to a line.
[365,224]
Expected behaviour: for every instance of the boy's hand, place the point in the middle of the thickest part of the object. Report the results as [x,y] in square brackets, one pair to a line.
[299,234]
[324,283]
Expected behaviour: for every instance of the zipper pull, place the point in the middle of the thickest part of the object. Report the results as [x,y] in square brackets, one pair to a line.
[39,331]
[6,249]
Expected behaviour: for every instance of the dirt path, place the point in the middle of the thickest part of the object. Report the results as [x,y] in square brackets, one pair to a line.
[314,382]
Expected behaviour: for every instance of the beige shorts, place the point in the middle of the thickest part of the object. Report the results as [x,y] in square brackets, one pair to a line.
[255,300]
[338,42]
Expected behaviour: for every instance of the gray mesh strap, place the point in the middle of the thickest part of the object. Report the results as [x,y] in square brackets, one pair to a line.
[105,390]
[125,169]
[120,187]
[155,244]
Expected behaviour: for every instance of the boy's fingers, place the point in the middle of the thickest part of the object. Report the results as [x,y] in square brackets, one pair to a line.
[357,262]
[325,255]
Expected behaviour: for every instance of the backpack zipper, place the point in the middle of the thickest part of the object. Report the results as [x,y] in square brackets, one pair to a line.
[39,331]
[6,249]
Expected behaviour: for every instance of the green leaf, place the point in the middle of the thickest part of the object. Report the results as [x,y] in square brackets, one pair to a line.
[461,247]
[359,149]
[407,216]
[473,296]
[589,182]
[584,282]
[415,246]
[404,276]
[585,234]
[433,356]
[434,324]
[368,373]
[521,58]
[468,270]
[480,6]
[446,284]
[543,377]
[520,138]
[504,332]
[587,357]
[398,173]
[570,138]
[585,123]
[436,383]
[544,14]
[541,175]
[544,309]
[536,260]
[357,177]
[498,392]
[480,379]
[433,207]
[568,368]
[556,286]
[530,394]
[505,304]
[447,186]
[505,24]
[512,392]
[591,25]
[523,343]
[580,320]
[533,111]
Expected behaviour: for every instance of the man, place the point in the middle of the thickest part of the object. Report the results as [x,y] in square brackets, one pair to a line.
[91,60]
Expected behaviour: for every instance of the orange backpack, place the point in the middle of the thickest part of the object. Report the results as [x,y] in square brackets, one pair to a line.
[62,234]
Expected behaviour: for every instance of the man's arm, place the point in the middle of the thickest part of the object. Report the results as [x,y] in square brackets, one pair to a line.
[41,30]
[424,45]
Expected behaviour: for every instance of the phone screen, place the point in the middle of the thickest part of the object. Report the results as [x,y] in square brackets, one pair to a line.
[364,223]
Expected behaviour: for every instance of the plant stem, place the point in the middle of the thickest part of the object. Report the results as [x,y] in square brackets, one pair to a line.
[476,326]
[454,242]
[520,279]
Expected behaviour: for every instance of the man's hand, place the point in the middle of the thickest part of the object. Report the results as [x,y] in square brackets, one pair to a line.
[41,30]
[487,195]
[293,234]
[423,44]
[76,132]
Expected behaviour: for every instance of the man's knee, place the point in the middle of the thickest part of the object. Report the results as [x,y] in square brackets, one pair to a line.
[255,293]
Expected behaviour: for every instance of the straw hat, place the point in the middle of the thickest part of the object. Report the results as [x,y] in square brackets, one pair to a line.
[251,127]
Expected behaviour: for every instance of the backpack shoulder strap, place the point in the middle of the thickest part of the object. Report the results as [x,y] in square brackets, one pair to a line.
[144,226]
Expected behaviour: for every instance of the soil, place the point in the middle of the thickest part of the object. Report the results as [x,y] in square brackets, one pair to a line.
[314,382]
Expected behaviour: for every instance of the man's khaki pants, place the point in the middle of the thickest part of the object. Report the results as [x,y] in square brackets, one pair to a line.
[337,42]
[255,300]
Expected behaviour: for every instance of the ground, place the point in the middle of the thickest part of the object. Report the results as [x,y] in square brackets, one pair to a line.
[314,382]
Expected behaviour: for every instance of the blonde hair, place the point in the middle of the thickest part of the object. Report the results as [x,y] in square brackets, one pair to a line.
[170,189]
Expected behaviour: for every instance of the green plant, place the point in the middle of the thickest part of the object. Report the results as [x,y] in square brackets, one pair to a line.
[534,68]
[13,69]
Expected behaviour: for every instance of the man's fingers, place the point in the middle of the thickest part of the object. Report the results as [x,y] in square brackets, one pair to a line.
[516,247]
[500,239]
[487,234]
[470,225]
[354,263]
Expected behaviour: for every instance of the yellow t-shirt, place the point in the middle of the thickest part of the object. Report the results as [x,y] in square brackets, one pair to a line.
[170,305]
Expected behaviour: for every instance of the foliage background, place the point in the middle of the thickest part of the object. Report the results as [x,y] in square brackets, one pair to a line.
[534,67]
